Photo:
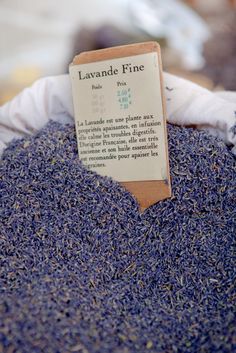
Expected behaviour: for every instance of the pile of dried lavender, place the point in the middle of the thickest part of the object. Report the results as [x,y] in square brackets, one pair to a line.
[82,271]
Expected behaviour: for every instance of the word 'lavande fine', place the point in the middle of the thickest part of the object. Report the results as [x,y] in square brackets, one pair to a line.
[126,68]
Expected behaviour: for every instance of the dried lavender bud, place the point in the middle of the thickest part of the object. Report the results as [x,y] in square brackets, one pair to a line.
[81,270]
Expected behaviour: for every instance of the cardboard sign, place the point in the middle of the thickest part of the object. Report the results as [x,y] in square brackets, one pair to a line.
[120,118]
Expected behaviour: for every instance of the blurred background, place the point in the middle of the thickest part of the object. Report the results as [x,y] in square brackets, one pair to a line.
[37,39]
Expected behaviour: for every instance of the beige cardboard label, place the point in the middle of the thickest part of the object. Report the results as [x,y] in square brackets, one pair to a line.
[119,117]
